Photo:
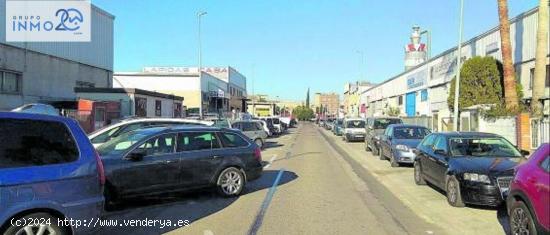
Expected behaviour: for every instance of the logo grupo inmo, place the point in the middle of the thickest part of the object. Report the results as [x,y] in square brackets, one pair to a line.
[69,20]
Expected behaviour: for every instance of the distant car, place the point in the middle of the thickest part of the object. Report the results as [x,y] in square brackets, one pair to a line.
[328,124]
[278,125]
[45,109]
[353,129]
[158,160]
[265,127]
[106,133]
[375,129]
[527,202]
[253,130]
[472,167]
[49,170]
[399,141]
[337,127]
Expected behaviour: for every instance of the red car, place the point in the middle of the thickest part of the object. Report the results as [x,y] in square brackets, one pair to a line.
[528,201]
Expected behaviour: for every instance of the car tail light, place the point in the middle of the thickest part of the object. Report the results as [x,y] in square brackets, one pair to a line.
[258,154]
[100,169]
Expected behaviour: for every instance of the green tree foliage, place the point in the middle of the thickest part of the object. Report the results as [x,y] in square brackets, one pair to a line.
[303,113]
[393,111]
[480,83]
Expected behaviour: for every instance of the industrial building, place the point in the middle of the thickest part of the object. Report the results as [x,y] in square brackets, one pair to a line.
[136,102]
[219,89]
[422,89]
[48,72]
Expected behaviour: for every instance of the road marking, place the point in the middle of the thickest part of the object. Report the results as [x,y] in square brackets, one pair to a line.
[271,161]
[263,209]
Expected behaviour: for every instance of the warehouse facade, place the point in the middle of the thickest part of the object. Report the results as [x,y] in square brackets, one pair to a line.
[48,72]
[423,90]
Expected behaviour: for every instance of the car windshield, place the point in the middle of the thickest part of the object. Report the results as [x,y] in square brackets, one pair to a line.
[122,143]
[339,122]
[385,122]
[410,132]
[483,147]
[276,121]
[355,124]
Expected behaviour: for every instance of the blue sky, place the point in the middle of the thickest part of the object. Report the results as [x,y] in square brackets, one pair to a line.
[286,46]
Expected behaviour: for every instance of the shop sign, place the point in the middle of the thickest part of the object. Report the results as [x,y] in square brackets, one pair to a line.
[417,79]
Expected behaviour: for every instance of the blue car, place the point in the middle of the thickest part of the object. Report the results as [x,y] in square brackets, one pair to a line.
[399,142]
[51,179]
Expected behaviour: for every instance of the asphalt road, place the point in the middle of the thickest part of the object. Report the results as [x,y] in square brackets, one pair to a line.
[310,187]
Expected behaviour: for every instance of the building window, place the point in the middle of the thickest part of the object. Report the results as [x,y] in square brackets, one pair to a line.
[141,107]
[84,84]
[158,108]
[424,95]
[532,77]
[400,100]
[10,82]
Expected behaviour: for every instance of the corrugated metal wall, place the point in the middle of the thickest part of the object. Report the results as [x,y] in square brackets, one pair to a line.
[97,53]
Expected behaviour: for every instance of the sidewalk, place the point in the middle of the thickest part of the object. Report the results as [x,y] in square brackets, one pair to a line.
[427,202]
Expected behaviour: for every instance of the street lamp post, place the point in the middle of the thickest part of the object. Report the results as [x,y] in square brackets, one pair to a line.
[200,60]
[458,64]
[429,42]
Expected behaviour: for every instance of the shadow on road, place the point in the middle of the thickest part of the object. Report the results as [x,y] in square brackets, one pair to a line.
[501,212]
[272,144]
[184,206]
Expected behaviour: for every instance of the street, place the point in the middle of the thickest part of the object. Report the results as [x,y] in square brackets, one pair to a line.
[327,187]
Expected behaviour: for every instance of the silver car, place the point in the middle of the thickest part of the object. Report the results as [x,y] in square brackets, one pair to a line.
[253,130]
[353,129]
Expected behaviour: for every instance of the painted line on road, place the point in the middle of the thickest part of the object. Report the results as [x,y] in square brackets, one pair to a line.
[271,161]
[260,216]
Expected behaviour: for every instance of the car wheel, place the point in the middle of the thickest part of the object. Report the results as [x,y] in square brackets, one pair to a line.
[418,178]
[381,154]
[367,148]
[393,162]
[453,192]
[375,151]
[260,143]
[521,221]
[45,224]
[230,182]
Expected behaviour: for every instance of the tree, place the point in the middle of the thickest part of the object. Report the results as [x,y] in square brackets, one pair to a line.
[540,59]
[510,94]
[479,83]
[303,113]
[393,111]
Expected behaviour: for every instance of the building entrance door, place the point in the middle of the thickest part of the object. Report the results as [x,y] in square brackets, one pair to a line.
[410,103]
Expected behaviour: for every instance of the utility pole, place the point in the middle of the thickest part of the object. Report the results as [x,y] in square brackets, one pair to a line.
[429,42]
[200,60]
[458,64]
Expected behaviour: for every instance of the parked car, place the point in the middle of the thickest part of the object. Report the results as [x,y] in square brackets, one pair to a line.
[338,126]
[353,129]
[328,124]
[253,130]
[527,202]
[375,128]
[270,126]
[105,134]
[45,109]
[278,125]
[157,160]
[472,167]
[49,170]
[399,141]
[265,127]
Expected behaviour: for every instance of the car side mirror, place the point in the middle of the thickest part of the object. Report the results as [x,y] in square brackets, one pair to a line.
[524,153]
[136,155]
[440,152]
